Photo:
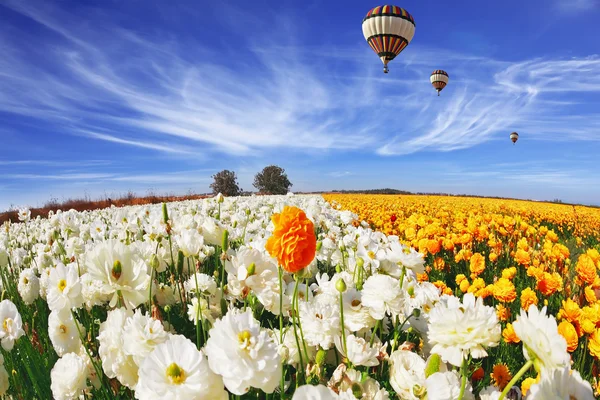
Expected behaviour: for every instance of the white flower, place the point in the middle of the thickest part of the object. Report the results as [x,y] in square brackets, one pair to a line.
[64,288]
[406,256]
[310,392]
[382,294]
[176,370]
[541,341]
[141,334]
[290,349]
[69,377]
[356,315]
[458,330]
[11,325]
[115,363]
[446,386]
[206,284]
[490,393]
[114,264]
[93,291]
[359,351]
[24,215]
[560,383]
[190,242]
[29,286]
[320,323]
[165,295]
[199,310]
[243,353]
[4,382]
[63,333]
[407,374]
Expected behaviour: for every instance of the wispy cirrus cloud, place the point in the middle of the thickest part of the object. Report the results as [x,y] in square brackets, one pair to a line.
[113,85]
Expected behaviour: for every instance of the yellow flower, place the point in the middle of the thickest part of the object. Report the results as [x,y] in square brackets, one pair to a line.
[594,344]
[590,294]
[509,273]
[464,286]
[528,297]
[509,334]
[522,257]
[527,382]
[502,312]
[570,311]
[477,264]
[504,290]
[586,269]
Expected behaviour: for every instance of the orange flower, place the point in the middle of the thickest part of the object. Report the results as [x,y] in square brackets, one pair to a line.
[509,334]
[439,264]
[522,257]
[477,264]
[586,269]
[502,312]
[504,290]
[493,257]
[590,295]
[509,273]
[570,311]
[459,278]
[477,374]
[550,283]
[594,344]
[293,242]
[434,246]
[528,297]
[500,376]
[567,330]
[464,286]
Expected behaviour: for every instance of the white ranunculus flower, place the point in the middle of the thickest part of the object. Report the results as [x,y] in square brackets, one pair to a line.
[190,242]
[29,286]
[382,295]
[446,386]
[69,377]
[359,351]
[490,393]
[206,284]
[64,289]
[176,370]
[541,341]
[310,392]
[243,353]
[115,363]
[141,334]
[320,323]
[356,315]
[11,325]
[561,383]
[406,256]
[120,272]
[459,329]
[290,349]
[407,374]
[63,333]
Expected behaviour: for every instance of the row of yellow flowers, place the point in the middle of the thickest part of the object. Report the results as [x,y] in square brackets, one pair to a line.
[511,253]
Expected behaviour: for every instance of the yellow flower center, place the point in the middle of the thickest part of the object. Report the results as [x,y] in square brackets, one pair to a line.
[62,284]
[355,303]
[25,280]
[244,336]
[63,329]
[175,374]
[7,323]
[371,254]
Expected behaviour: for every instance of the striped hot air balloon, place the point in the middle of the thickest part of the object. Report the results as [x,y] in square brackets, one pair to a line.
[514,137]
[439,80]
[388,30]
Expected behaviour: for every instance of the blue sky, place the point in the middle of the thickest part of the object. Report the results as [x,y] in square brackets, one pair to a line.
[102,97]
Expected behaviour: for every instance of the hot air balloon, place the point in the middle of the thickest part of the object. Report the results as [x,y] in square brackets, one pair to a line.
[514,137]
[439,80]
[388,30]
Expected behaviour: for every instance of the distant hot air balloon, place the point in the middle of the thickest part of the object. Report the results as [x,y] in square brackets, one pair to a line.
[439,80]
[514,137]
[388,30]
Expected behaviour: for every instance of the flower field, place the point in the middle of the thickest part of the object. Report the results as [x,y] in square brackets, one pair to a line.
[303,297]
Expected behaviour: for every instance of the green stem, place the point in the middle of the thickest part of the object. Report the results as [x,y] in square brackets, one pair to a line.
[516,378]
[282,384]
[295,315]
[463,382]
[402,276]
[374,330]
[342,321]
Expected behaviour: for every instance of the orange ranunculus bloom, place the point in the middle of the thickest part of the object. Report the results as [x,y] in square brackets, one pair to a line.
[477,264]
[567,330]
[464,286]
[570,311]
[522,257]
[478,374]
[550,283]
[509,273]
[502,312]
[293,242]
[594,344]
[586,269]
[439,264]
[509,334]
[528,297]
[501,376]
[590,295]
[504,290]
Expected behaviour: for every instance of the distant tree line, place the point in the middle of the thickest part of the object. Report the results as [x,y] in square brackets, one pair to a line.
[271,180]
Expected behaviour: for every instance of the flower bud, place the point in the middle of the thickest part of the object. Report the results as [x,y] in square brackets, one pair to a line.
[154,263]
[319,245]
[220,198]
[360,262]
[320,357]
[180,259]
[411,291]
[433,365]
[248,212]
[225,241]
[234,224]
[338,268]
[340,285]
[251,269]
[165,213]
[416,313]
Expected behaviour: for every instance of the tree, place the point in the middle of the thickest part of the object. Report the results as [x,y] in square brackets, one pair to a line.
[272,180]
[225,183]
